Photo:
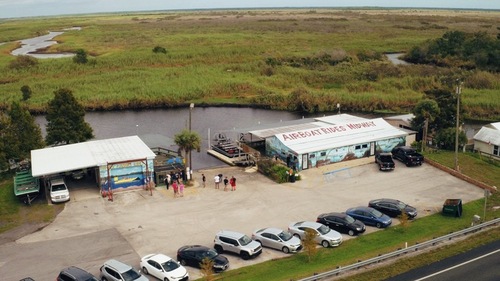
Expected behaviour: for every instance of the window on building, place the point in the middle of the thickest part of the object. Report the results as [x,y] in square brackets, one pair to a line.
[323,153]
[496,151]
[357,147]
[312,155]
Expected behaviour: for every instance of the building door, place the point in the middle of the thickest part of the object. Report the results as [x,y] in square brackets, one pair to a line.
[305,162]
[372,148]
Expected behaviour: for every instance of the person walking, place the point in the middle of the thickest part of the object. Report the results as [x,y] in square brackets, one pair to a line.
[175,187]
[181,189]
[203,179]
[232,182]
[226,181]
[217,181]
[167,181]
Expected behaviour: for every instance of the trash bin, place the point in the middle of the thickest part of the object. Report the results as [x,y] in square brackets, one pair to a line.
[291,175]
[452,208]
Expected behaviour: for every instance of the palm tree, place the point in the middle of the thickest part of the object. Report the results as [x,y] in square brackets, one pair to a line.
[188,141]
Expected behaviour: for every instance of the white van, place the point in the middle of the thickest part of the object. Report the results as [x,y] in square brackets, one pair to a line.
[58,190]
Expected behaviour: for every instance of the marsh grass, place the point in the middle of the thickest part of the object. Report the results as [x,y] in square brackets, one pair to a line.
[220,56]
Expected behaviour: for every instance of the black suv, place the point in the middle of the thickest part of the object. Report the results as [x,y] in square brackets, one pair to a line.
[393,208]
[195,254]
[74,273]
[407,155]
[384,161]
[342,222]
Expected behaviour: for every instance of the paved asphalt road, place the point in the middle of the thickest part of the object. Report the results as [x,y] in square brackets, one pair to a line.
[479,264]
[92,229]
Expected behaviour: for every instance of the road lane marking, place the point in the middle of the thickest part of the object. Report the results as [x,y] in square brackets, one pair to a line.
[458,265]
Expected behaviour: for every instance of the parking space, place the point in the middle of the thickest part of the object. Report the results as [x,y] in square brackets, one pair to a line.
[160,223]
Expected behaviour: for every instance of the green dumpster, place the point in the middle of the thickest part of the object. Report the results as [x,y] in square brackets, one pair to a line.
[452,208]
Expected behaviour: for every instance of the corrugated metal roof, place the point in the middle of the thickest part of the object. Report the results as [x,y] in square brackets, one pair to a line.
[269,132]
[53,160]
[495,125]
[488,135]
[339,135]
[340,119]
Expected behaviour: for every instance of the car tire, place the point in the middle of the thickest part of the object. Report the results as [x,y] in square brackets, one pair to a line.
[166,279]
[351,232]
[286,250]
[245,255]
[145,271]
[378,225]
[182,262]
[325,244]
[219,249]
[104,279]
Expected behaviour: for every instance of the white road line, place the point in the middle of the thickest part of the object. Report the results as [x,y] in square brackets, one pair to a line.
[458,265]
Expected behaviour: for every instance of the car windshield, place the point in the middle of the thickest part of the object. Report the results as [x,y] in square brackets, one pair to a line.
[209,254]
[58,187]
[244,240]
[349,219]
[323,229]
[285,236]
[130,275]
[376,213]
[170,265]
[401,205]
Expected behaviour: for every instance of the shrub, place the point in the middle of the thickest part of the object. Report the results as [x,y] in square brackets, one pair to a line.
[23,62]
[26,90]
[159,49]
[80,57]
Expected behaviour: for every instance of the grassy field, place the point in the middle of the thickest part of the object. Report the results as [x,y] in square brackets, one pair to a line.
[222,57]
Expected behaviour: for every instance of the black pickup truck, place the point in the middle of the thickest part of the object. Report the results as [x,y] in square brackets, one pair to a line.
[408,155]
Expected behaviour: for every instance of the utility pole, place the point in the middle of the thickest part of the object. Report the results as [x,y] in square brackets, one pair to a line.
[459,90]
[189,172]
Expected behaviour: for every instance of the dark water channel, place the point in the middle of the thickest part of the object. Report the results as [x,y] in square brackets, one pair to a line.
[168,123]
[154,126]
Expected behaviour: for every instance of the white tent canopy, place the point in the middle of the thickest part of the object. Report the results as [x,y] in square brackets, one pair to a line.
[53,160]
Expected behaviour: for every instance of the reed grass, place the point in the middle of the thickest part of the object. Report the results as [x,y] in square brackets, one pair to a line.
[220,57]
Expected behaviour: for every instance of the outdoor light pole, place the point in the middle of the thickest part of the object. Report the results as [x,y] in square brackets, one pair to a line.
[191,106]
[459,89]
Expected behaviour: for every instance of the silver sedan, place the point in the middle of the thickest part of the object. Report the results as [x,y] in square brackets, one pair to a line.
[277,239]
[324,235]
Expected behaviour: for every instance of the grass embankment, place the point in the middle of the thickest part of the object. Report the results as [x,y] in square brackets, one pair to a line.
[221,57]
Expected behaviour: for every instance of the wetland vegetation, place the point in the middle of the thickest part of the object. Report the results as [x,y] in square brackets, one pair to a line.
[297,59]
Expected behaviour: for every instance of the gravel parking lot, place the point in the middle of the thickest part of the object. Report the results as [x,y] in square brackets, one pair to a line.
[92,229]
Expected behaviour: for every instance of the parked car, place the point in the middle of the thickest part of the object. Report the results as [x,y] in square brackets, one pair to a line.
[407,155]
[78,174]
[342,222]
[277,239]
[58,190]
[393,208]
[163,267]
[194,255]
[114,270]
[73,273]
[370,216]
[324,235]
[384,161]
[237,243]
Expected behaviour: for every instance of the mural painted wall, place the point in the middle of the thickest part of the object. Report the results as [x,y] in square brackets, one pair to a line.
[129,175]
[389,144]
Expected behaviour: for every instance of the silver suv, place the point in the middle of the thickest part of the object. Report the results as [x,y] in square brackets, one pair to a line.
[114,270]
[237,243]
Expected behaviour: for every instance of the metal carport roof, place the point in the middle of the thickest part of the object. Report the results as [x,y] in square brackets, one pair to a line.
[53,160]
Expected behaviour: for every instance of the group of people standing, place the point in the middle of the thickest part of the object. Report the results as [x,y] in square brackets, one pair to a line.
[220,178]
[176,181]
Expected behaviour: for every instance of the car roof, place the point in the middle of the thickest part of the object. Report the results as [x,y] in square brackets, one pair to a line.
[118,265]
[385,154]
[57,181]
[385,200]
[229,233]
[308,224]
[77,272]
[194,248]
[333,214]
[272,230]
[160,258]
[364,208]
[405,147]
